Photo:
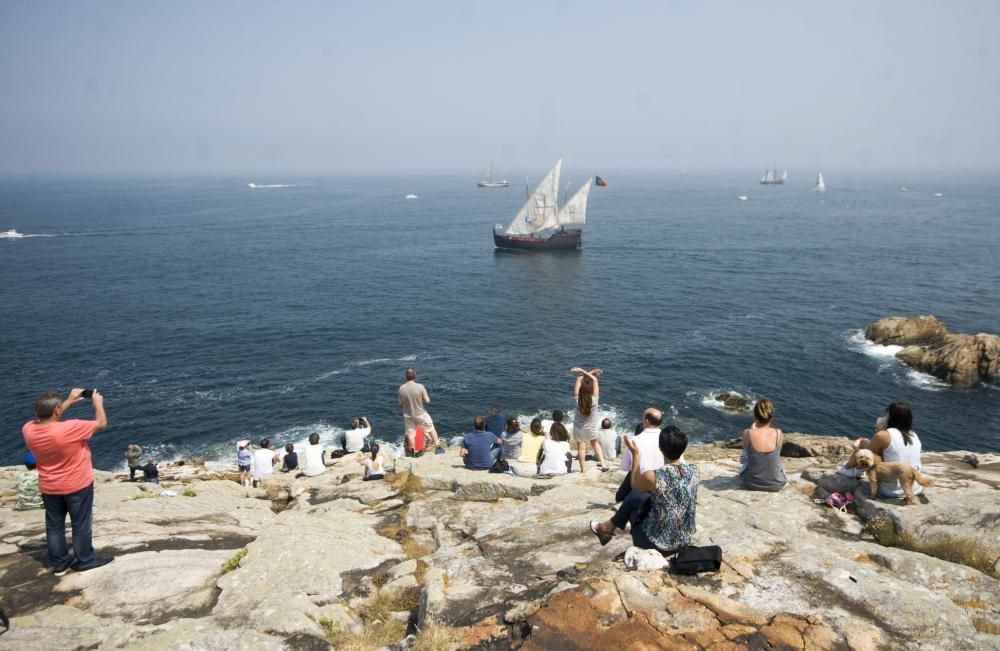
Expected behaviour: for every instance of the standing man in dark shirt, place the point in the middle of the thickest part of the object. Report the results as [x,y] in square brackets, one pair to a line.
[495,421]
[480,449]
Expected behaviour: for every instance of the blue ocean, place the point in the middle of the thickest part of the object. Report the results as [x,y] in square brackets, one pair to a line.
[207,311]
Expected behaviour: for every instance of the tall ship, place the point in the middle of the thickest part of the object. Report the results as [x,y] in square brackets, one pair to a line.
[820,184]
[771,177]
[491,181]
[540,224]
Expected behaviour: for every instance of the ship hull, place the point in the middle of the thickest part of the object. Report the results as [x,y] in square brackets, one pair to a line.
[559,241]
[493,184]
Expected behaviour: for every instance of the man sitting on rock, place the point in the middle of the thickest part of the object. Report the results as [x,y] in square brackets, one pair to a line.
[150,474]
[358,438]
[480,449]
[648,441]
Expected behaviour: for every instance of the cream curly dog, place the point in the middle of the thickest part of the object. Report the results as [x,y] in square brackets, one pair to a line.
[879,470]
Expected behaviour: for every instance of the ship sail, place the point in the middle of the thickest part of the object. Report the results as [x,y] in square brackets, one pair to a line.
[575,210]
[820,185]
[784,175]
[539,211]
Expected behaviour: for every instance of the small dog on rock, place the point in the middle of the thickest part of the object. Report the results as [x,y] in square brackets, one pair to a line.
[879,470]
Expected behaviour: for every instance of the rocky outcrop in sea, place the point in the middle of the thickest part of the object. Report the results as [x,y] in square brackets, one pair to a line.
[438,557]
[959,359]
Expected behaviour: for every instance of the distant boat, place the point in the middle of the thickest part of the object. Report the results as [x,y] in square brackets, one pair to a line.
[904,189]
[11,235]
[412,196]
[540,224]
[938,194]
[771,177]
[251,185]
[743,197]
[491,181]
[820,185]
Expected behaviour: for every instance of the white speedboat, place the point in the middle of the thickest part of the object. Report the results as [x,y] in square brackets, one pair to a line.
[938,194]
[412,196]
[743,197]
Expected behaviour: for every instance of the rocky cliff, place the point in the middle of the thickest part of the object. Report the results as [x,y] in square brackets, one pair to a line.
[438,557]
[959,359]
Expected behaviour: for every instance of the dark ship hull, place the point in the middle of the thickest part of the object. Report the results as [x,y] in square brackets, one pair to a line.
[558,241]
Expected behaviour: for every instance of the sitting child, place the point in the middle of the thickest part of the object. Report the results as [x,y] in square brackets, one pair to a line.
[291,459]
[150,474]
[28,496]
[374,465]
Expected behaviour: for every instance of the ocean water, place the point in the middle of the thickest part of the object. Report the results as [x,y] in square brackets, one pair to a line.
[207,312]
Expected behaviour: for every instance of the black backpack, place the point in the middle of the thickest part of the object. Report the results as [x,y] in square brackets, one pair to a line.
[694,560]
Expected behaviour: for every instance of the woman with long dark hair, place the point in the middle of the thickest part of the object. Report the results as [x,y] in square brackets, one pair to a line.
[587,392]
[894,440]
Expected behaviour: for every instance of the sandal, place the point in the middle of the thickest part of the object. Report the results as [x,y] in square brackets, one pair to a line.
[605,538]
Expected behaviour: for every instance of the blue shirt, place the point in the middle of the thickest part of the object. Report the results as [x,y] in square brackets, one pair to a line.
[291,461]
[495,424]
[479,444]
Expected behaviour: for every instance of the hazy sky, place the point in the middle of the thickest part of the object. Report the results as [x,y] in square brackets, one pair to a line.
[193,87]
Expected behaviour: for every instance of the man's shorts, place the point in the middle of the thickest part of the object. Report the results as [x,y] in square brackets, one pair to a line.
[243,468]
[411,422]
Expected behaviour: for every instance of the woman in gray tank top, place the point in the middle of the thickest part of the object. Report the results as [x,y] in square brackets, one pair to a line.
[762,471]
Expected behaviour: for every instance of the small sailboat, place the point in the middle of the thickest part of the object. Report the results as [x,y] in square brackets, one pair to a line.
[540,224]
[412,196]
[491,181]
[820,184]
[771,177]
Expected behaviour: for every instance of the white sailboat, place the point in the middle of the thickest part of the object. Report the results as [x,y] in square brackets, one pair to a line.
[820,184]
[541,224]
[491,181]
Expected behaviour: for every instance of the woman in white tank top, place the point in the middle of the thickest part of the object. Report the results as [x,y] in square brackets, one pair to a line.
[895,440]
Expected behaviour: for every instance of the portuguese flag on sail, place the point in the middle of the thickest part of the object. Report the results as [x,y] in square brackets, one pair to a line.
[601,183]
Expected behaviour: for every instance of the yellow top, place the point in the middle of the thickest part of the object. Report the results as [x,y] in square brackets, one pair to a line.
[530,445]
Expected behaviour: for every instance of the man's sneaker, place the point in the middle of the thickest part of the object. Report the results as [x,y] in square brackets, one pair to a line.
[439,450]
[61,572]
[97,562]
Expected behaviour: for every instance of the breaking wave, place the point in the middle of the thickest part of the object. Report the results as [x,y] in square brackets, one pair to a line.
[886,357]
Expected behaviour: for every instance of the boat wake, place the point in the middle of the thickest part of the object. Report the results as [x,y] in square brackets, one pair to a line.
[14,235]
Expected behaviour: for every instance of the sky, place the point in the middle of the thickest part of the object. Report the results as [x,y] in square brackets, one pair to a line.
[362,87]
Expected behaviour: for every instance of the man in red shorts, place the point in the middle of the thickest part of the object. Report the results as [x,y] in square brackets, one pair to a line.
[66,477]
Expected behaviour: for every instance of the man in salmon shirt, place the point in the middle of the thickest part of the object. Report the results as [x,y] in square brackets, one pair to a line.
[66,477]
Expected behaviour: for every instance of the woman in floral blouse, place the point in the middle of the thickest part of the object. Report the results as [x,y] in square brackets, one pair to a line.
[661,506]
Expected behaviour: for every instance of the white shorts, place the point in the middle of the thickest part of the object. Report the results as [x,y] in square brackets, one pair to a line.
[410,424]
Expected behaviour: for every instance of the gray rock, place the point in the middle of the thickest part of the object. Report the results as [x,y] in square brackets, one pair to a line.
[433,598]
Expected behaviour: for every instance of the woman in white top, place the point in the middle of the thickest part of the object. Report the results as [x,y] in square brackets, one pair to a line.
[587,393]
[556,457]
[374,465]
[315,457]
[895,440]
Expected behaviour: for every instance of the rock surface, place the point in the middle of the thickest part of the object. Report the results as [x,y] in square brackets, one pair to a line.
[450,558]
[959,359]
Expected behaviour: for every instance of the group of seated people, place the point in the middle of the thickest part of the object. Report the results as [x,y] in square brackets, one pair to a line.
[543,449]
[659,494]
[256,464]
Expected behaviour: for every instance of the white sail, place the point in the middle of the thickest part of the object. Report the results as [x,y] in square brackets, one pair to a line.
[575,210]
[539,211]
[784,175]
[820,185]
